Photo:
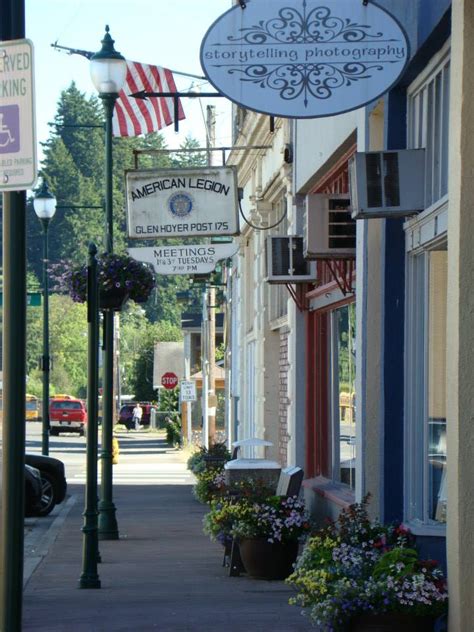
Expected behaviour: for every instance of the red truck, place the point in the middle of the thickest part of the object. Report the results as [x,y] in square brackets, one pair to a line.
[67,415]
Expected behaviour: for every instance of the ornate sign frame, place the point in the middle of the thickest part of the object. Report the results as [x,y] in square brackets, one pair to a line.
[304,58]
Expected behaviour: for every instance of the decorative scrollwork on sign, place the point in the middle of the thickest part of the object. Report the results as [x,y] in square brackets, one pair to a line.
[305,58]
[295,80]
[293,27]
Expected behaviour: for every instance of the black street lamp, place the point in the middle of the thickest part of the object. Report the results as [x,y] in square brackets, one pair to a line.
[44,204]
[108,70]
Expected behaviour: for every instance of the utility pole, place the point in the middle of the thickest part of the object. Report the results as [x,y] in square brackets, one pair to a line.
[212,397]
[205,368]
[211,302]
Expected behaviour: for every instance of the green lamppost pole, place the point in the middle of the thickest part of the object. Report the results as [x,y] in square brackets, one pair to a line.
[90,577]
[45,207]
[108,70]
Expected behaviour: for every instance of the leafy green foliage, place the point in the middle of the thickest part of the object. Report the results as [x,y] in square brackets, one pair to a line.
[173,431]
[169,399]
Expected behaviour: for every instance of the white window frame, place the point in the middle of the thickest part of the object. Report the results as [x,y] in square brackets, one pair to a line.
[278,293]
[416,392]
[424,233]
[334,401]
[250,285]
[250,394]
[428,101]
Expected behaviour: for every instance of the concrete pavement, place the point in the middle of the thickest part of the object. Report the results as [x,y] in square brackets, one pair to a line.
[163,574]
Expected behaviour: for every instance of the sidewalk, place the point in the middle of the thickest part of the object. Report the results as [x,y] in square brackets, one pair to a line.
[163,574]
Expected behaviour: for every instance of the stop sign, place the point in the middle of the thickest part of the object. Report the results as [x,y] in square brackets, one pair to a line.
[169,380]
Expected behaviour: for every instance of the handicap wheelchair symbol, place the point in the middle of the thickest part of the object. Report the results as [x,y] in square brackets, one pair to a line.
[6,137]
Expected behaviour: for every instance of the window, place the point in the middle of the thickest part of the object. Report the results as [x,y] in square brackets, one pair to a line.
[428,123]
[436,421]
[426,303]
[426,388]
[68,405]
[278,294]
[342,394]
[249,305]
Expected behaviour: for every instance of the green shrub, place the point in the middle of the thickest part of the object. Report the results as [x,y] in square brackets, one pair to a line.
[173,431]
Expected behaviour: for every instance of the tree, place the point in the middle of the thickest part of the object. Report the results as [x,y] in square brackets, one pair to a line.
[192,158]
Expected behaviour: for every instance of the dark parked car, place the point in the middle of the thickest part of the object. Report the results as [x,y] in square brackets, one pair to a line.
[53,481]
[125,415]
[32,491]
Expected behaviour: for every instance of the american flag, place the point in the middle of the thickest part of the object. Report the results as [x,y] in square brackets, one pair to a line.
[133,116]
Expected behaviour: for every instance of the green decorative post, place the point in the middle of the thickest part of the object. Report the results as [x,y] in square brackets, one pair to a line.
[108,71]
[45,207]
[90,577]
[12,27]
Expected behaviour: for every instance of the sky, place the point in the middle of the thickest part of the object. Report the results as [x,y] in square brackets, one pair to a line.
[163,32]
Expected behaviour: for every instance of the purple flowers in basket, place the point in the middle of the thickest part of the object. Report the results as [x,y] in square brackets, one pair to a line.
[115,272]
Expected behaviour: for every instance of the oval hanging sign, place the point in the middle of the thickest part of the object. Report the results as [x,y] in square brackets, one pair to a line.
[304,58]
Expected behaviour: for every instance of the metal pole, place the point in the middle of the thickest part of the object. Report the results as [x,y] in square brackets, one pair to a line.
[108,528]
[212,399]
[45,363]
[14,392]
[90,577]
[12,26]
[204,370]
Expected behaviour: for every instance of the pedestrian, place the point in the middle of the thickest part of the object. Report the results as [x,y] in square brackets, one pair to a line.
[137,413]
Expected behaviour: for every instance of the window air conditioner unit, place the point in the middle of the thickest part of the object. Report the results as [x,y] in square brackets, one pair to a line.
[285,261]
[329,230]
[387,183]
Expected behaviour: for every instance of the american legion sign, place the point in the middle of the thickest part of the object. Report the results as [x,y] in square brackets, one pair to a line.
[182,202]
[304,58]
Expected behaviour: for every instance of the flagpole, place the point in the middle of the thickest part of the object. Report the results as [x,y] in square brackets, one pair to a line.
[88,54]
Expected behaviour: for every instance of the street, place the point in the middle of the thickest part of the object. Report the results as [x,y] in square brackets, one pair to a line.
[137,465]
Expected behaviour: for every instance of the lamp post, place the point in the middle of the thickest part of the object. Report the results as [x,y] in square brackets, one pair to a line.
[108,69]
[44,204]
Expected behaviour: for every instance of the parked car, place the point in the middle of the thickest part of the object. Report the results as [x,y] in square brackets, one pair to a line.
[67,415]
[125,415]
[53,481]
[33,491]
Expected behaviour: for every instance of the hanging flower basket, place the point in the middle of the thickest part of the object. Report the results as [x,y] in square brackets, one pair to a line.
[119,278]
[113,299]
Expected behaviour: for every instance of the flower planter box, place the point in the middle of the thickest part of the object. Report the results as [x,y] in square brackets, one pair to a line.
[215,462]
[268,560]
[391,622]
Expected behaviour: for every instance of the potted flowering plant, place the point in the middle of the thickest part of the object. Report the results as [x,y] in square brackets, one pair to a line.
[119,277]
[227,504]
[209,485]
[357,575]
[214,457]
[267,531]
